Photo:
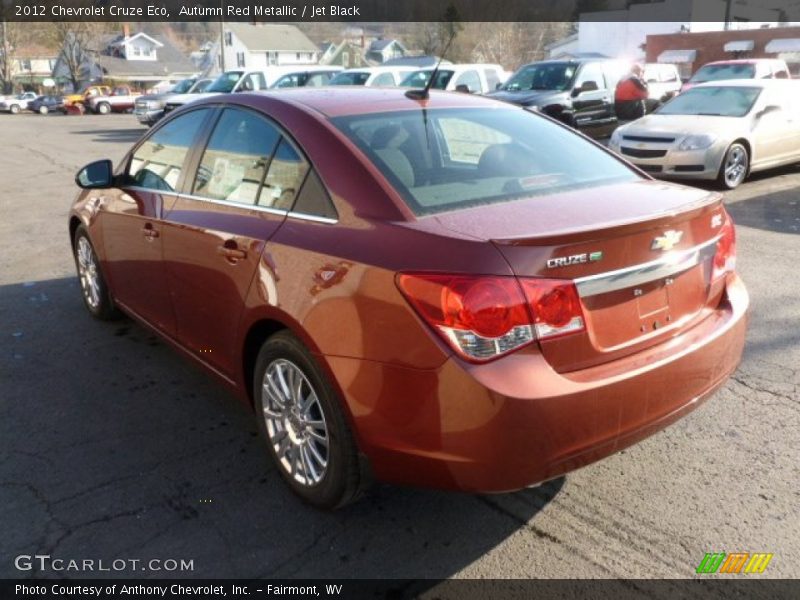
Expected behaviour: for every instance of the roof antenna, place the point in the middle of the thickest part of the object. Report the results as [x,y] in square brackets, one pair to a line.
[417,94]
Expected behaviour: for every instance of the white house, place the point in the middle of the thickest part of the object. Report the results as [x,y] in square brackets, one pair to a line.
[266,44]
[138,59]
[623,33]
[381,50]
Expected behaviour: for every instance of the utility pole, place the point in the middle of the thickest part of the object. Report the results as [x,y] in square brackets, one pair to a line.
[728,4]
[6,66]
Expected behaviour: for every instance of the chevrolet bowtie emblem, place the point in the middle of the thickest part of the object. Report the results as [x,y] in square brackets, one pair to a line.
[667,241]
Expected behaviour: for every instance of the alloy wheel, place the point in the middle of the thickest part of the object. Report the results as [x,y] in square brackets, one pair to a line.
[87,273]
[296,425]
[735,167]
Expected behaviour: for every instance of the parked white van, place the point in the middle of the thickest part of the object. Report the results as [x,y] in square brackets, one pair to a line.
[471,78]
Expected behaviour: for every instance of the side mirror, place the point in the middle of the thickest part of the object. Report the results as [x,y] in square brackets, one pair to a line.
[772,108]
[463,88]
[99,174]
[588,86]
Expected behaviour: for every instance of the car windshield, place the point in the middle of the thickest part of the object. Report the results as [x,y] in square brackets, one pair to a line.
[225,83]
[183,86]
[351,78]
[716,101]
[543,76]
[201,86]
[447,159]
[720,72]
[419,79]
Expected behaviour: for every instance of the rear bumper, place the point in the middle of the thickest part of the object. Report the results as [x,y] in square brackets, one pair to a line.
[515,422]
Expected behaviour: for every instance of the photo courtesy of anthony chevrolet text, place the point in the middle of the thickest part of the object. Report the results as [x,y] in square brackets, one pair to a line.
[372,299]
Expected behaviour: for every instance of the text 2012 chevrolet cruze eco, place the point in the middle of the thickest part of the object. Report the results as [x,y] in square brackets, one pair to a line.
[451,292]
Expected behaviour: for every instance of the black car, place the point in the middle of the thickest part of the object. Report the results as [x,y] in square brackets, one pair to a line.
[578,92]
[47,104]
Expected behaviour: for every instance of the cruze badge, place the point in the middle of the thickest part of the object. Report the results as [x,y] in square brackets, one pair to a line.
[575,259]
[667,241]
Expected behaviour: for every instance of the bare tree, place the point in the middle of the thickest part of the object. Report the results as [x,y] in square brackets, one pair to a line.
[75,41]
[9,34]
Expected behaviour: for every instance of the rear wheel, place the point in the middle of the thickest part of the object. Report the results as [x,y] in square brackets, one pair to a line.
[104,108]
[300,419]
[43,110]
[14,109]
[95,292]
[734,166]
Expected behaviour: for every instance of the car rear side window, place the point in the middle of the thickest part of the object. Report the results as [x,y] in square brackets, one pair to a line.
[447,159]
[234,163]
[159,161]
[314,199]
[492,79]
[286,173]
[472,80]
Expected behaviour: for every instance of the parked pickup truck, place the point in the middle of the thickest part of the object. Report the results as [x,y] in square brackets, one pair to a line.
[86,94]
[14,104]
[121,99]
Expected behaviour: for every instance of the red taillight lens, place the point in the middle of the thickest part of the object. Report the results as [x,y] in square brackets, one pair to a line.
[485,317]
[555,306]
[725,258]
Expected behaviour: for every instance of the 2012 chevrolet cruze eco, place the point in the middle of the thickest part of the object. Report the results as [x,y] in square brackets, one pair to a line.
[451,292]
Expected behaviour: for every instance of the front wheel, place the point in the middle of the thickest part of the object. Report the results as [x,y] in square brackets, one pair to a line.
[734,167]
[43,110]
[14,109]
[302,423]
[95,292]
[103,108]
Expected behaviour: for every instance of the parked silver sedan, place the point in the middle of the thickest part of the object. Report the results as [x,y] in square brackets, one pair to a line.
[723,130]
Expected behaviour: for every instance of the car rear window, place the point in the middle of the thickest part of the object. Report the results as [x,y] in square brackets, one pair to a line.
[447,159]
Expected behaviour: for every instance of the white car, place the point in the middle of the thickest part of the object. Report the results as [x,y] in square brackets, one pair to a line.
[471,78]
[372,76]
[14,104]
[663,81]
[721,130]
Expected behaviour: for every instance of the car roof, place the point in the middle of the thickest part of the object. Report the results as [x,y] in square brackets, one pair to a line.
[345,101]
[373,70]
[763,83]
[742,61]
[456,66]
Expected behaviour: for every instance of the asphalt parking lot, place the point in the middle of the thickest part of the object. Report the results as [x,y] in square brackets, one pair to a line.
[114,447]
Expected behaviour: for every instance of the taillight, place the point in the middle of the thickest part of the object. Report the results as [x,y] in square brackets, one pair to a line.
[484,317]
[725,257]
[555,306]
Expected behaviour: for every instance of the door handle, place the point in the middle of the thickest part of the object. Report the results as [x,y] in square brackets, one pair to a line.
[149,232]
[229,250]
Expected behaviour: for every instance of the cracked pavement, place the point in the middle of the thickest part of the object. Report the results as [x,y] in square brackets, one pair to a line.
[112,446]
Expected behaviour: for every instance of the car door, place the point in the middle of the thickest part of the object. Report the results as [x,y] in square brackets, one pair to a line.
[776,132]
[131,218]
[245,182]
[592,108]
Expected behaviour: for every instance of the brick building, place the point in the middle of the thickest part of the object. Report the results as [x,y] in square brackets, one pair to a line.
[690,51]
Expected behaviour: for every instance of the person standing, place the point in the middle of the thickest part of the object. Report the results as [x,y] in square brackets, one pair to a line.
[630,95]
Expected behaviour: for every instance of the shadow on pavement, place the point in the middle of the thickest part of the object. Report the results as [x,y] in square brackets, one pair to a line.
[115,136]
[114,447]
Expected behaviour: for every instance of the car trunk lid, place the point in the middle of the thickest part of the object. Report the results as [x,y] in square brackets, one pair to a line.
[639,253]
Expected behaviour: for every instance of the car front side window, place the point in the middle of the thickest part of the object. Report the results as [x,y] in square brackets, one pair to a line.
[158,162]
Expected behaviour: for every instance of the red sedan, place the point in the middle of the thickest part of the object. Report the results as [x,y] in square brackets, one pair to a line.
[449,292]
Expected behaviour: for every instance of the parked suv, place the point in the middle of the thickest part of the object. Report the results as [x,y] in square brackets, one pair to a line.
[743,68]
[579,93]
[149,109]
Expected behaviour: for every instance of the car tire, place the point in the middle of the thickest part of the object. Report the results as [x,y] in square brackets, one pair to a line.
[735,166]
[301,421]
[103,108]
[43,110]
[14,109]
[94,290]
